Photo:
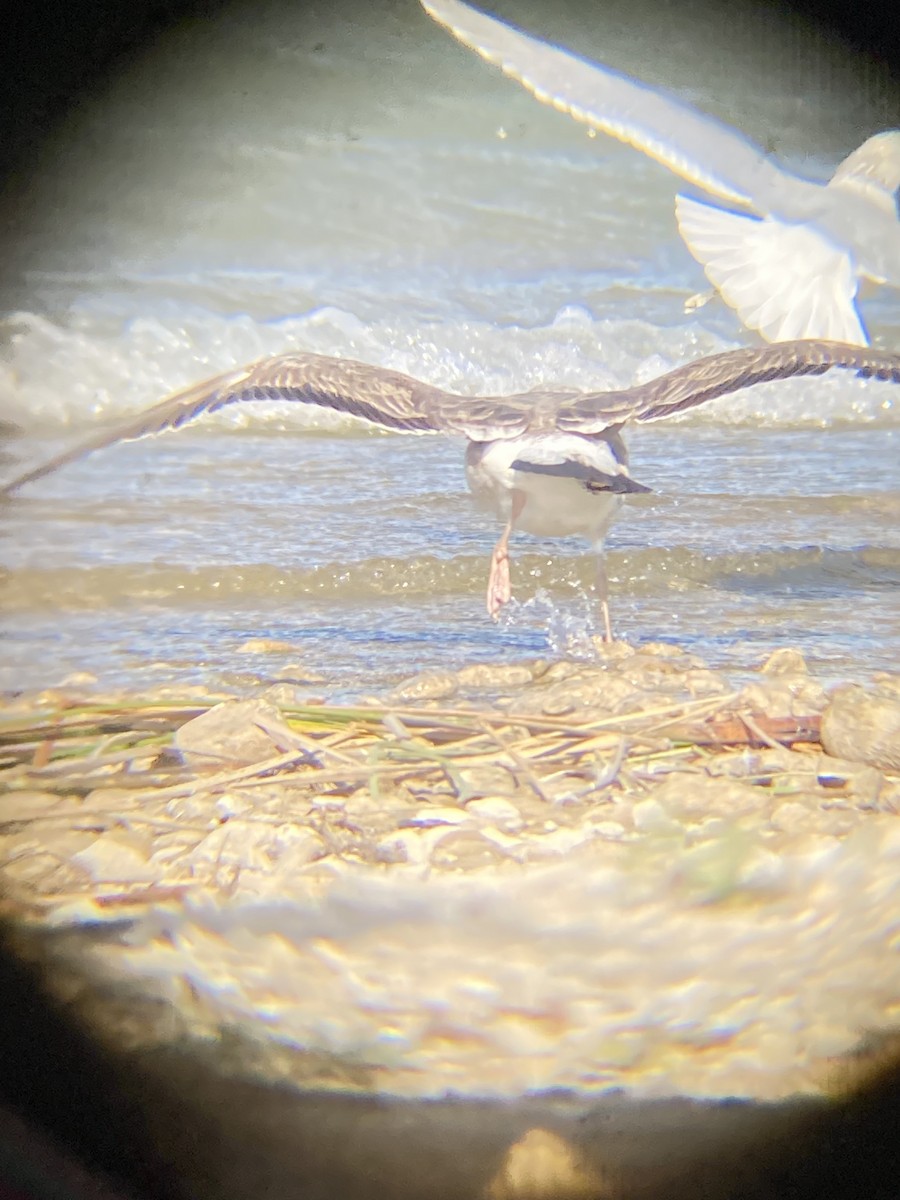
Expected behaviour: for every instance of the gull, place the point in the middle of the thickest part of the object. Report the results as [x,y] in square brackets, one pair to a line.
[791,260]
[551,461]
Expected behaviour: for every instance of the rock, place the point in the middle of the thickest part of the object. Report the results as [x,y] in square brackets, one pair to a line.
[295,672]
[785,662]
[611,652]
[434,815]
[460,850]
[700,681]
[116,859]
[690,798]
[888,682]
[495,675]
[864,726]
[792,817]
[291,695]
[543,1166]
[651,673]
[668,650]
[857,780]
[265,646]
[26,805]
[229,736]
[592,688]
[485,780]
[610,831]
[430,685]
[649,816]
[783,695]
[497,811]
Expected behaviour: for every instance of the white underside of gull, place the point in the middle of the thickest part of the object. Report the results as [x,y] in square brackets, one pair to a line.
[554,506]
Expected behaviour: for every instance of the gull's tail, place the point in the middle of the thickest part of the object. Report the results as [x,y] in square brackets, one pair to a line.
[783,280]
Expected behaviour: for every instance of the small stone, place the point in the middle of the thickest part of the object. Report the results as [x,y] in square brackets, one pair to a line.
[497,811]
[652,674]
[763,869]
[783,695]
[462,850]
[700,682]
[612,652]
[564,669]
[668,650]
[792,817]
[229,736]
[495,675]
[862,783]
[411,845]
[693,797]
[609,831]
[888,683]
[481,781]
[265,646]
[291,695]
[507,842]
[25,806]
[296,673]
[649,816]
[110,859]
[591,688]
[233,804]
[543,1166]
[785,662]
[425,818]
[430,685]
[863,725]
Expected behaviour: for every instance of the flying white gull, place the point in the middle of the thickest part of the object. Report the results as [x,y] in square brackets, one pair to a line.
[549,461]
[791,261]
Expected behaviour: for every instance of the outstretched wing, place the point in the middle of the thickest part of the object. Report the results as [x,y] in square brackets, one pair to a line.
[719,375]
[399,402]
[381,397]
[695,146]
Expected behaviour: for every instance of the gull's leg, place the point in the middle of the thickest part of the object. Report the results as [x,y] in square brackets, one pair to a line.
[602,586]
[499,589]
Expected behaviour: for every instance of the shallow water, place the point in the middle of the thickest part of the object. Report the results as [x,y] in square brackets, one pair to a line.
[355,183]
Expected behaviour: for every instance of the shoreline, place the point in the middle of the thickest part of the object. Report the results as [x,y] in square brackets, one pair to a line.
[713,832]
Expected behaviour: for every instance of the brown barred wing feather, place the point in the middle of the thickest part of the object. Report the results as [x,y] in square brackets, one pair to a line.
[720,375]
[382,397]
[374,394]
[174,411]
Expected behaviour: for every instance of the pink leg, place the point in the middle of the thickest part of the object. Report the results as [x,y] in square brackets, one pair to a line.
[499,589]
[602,587]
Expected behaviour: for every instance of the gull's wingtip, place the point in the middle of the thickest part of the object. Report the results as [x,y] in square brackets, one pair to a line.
[611,102]
[449,12]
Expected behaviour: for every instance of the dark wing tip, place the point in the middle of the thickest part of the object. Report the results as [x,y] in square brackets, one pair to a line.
[381,397]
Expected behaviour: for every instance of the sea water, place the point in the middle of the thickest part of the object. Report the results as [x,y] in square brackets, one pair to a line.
[348,180]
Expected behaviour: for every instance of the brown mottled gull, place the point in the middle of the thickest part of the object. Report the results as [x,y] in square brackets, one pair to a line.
[791,260]
[551,461]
